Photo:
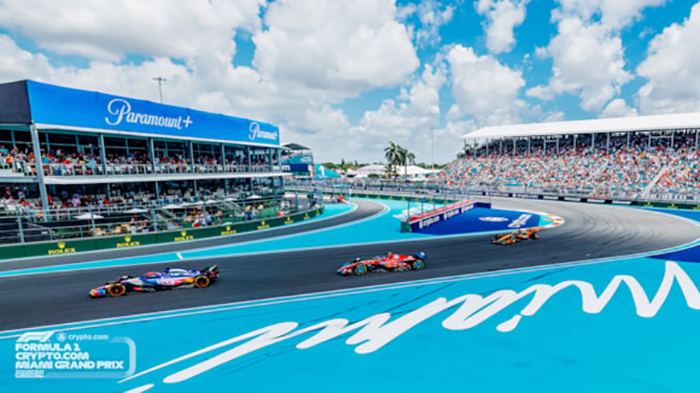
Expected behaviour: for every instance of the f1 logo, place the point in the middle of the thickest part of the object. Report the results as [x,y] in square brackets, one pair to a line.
[41,337]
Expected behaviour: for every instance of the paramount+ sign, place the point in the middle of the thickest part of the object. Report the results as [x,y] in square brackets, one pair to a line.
[60,106]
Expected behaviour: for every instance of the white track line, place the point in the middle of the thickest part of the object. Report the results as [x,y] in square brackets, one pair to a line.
[331,294]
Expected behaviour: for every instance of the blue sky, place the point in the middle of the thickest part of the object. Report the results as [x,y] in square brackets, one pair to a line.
[346,77]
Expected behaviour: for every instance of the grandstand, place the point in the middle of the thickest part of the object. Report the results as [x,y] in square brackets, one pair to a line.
[298,160]
[64,150]
[642,158]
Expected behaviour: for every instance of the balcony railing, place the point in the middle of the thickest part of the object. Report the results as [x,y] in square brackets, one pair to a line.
[96,169]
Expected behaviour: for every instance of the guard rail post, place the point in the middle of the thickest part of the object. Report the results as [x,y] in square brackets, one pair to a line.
[20,228]
[92,222]
[154,217]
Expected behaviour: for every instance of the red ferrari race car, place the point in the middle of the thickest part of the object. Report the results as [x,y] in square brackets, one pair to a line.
[517,236]
[390,262]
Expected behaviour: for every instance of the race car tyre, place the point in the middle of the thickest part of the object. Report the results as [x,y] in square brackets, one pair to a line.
[202,281]
[359,270]
[418,264]
[116,290]
[535,236]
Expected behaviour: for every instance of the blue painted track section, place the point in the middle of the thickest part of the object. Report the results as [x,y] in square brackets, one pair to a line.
[482,219]
[558,348]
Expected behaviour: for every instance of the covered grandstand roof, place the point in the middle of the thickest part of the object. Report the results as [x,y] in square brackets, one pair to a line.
[625,124]
[29,103]
[295,146]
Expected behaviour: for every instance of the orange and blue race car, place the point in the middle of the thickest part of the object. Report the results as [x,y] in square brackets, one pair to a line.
[390,262]
[517,236]
[156,281]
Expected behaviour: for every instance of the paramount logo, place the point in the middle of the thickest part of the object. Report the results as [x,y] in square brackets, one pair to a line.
[257,133]
[120,110]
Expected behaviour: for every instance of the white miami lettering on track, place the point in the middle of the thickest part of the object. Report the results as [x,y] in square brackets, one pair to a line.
[374,332]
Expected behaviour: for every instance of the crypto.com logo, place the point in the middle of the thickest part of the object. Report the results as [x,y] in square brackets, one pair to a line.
[493,219]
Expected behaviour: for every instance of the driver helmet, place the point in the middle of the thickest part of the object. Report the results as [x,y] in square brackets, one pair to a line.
[167,270]
[357,259]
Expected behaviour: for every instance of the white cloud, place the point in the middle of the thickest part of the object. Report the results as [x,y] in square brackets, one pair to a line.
[618,108]
[484,88]
[613,14]
[312,55]
[587,53]
[588,61]
[110,29]
[672,68]
[340,48]
[406,11]
[502,16]
[406,120]
[552,117]
[432,16]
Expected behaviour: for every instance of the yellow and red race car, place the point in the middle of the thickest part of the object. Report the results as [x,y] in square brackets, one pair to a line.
[517,236]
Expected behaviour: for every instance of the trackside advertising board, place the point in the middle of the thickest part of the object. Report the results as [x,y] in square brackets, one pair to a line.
[427,219]
[61,106]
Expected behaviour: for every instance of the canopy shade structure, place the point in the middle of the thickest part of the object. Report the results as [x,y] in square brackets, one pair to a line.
[684,121]
[295,146]
[136,210]
[88,216]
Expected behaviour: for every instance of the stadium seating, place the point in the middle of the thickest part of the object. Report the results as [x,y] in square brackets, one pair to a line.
[634,167]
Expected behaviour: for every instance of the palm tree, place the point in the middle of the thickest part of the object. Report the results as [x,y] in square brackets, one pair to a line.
[394,155]
[408,159]
[389,170]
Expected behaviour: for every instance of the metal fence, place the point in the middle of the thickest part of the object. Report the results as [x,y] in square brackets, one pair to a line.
[20,225]
[428,188]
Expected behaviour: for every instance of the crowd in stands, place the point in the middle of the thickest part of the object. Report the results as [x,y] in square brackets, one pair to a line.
[27,196]
[623,166]
[59,162]
[16,159]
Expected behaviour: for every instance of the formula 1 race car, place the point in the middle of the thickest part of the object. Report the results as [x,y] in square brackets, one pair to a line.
[390,262]
[517,236]
[156,281]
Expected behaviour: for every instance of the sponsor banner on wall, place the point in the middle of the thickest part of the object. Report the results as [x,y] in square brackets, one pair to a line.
[527,196]
[61,106]
[433,217]
[500,194]
[616,202]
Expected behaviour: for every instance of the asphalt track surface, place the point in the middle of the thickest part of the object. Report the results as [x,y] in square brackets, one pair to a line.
[590,232]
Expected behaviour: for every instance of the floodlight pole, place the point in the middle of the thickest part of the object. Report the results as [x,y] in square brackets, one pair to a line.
[160,81]
[432,154]
[432,147]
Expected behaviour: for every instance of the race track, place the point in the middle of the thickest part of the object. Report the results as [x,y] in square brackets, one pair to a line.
[591,231]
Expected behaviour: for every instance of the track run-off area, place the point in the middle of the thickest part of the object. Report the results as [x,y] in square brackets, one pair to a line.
[479,317]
